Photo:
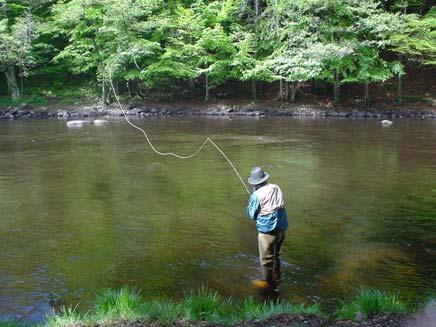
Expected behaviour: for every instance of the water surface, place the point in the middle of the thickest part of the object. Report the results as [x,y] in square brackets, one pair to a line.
[90,208]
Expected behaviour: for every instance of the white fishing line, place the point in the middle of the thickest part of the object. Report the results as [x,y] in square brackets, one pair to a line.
[171,153]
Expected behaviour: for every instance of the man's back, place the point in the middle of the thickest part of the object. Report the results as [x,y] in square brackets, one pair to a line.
[270,199]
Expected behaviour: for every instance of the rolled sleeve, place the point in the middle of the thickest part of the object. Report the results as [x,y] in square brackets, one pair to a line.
[253,207]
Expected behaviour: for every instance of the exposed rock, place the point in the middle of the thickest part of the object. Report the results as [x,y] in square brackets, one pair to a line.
[386,123]
[63,113]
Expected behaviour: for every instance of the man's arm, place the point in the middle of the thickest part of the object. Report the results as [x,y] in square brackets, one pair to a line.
[253,207]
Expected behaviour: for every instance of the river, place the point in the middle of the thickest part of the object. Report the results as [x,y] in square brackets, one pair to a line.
[90,208]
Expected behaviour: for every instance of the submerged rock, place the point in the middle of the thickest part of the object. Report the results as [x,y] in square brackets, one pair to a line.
[100,122]
[77,123]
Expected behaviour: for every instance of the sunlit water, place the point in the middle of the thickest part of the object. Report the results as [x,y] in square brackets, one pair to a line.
[90,208]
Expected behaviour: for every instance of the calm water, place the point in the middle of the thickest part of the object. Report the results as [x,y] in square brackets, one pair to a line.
[90,208]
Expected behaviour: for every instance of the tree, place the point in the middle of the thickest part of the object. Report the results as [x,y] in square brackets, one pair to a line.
[325,39]
[418,38]
[81,22]
[17,35]
[247,64]
[216,52]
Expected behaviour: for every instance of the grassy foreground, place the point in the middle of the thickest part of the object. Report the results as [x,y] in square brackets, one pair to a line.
[127,304]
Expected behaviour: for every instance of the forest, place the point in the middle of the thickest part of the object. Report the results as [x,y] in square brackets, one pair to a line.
[163,49]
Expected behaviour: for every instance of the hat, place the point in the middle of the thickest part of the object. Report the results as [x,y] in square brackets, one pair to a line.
[257,176]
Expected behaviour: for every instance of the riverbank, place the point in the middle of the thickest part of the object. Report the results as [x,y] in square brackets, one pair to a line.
[273,108]
[126,307]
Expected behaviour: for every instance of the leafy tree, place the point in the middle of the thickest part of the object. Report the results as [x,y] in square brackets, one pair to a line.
[418,38]
[247,64]
[326,40]
[216,52]
[18,30]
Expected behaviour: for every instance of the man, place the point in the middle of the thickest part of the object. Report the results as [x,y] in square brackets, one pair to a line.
[266,207]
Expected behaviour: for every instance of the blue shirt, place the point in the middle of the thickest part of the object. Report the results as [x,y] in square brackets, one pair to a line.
[265,206]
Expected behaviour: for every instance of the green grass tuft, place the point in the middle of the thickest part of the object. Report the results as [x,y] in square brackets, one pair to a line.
[209,306]
[123,303]
[166,313]
[370,302]
[67,317]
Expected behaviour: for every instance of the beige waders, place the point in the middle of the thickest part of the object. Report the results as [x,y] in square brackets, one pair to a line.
[270,247]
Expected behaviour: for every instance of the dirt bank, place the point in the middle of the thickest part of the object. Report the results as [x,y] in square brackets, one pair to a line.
[285,320]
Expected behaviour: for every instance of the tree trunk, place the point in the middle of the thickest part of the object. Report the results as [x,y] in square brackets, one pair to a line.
[256,17]
[336,86]
[366,93]
[106,93]
[206,97]
[192,86]
[400,86]
[108,99]
[293,91]
[281,96]
[11,79]
[128,89]
[286,91]
[313,85]
[253,90]
[117,89]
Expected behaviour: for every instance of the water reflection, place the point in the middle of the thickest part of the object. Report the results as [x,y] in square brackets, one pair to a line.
[85,209]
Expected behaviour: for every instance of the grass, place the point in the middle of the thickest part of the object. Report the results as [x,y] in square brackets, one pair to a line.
[127,303]
[370,302]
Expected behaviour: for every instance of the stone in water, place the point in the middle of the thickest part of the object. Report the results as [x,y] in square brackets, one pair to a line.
[77,123]
[99,122]
[386,122]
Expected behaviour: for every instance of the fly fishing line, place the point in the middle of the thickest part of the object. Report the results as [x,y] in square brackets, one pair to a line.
[206,140]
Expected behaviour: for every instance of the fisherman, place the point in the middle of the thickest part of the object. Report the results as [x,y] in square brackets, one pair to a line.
[266,207]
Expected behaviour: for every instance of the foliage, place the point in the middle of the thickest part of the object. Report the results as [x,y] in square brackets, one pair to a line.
[336,41]
[418,38]
[161,46]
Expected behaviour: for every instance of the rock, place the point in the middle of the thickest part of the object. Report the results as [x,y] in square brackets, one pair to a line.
[386,123]
[77,123]
[24,106]
[100,122]
[9,116]
[87,111]
[63,113]
[135,111]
